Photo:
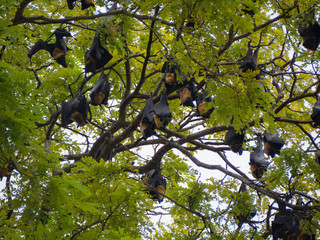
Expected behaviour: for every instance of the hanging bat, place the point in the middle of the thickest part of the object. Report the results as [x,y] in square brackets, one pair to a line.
[316,114]
[248,10]
[147,124]
[6,168]
[272,143]
[317,159]
[100,91]
[250,61]
[169,74]
[158,182]
[245,216]
[202,109]
[187,94]
[310,34]
[84,4]
[235,140]
[75,110]
[258,164]
[57,50]
[97,56]
[162,115]
[109,156]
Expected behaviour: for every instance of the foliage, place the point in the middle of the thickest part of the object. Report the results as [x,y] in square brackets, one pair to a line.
[60,189]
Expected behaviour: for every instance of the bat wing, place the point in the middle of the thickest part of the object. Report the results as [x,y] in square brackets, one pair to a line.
[273,138]
[39,45]
[102,86]
[162,109]
[232,135]
[257,157]
[317,159]
[71,4]
[310,33]
[104,59]
[148,111]
[66,111]
[86,4]
[316,113]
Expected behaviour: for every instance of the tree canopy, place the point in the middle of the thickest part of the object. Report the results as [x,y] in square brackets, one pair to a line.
[249,61]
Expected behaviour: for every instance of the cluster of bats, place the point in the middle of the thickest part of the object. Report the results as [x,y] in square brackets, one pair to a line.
[157,116]
[286,223]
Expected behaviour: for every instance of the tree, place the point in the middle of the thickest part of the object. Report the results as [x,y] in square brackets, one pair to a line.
[60,189]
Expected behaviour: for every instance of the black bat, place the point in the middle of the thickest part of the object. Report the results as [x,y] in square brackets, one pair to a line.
[158,182]
[317,159]
[84,4]
[272,143]
[147,124]
[235,140]
[6,168]
[162,115]
[310,33]
[169,71]
[100,91]
[75,110]
[109,156]
[246,216]
[187,94]
[57,50]
[250,60]
[258,164]
[248,10]
[202,109]
[97,56]
[316,113]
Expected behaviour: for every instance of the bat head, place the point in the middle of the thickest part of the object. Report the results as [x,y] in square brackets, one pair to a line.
[147,129]
[310,34]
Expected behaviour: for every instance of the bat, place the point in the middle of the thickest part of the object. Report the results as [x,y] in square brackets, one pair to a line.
[258,164]
[97,56]
[235,140]
[109,156]
[84,4]
[315,116]
[202,109]
[57,50]
[250,61]
[248,10]
[187,94]
[147,124]
[192,23]
[162,115]
[272,143]
[310,34]
[317,159]
[286,225]
[100,91]
[75,110]
[169,74]
[158,182]
[245,216]
[7,168]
